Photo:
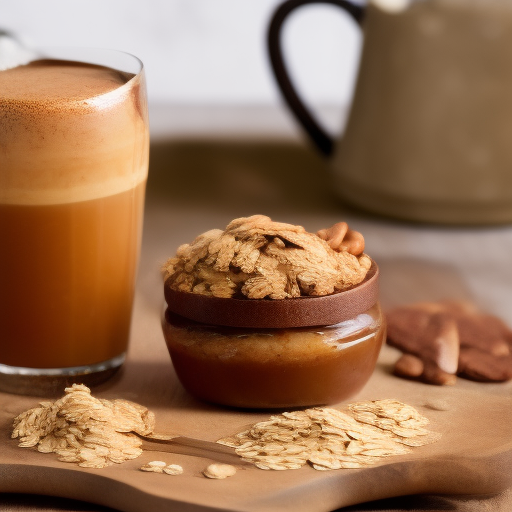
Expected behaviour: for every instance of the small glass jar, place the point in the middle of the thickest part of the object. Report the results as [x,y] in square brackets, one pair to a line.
[272,368]
[262,367]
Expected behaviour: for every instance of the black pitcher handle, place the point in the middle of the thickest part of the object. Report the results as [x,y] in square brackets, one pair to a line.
[320,137]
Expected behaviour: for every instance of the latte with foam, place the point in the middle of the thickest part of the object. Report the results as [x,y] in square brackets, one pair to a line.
[70,132]
[74,150]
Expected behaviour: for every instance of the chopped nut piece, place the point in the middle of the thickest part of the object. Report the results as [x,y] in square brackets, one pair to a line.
[219,471]
[340,237]
[432,338]
[450,338]
[257,258]
[484,367]
[409,366]
[353,242]
[334,235]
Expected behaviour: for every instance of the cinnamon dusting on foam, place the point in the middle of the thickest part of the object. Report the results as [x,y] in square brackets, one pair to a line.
[67,132]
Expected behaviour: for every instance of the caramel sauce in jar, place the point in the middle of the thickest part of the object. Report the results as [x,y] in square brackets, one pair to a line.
[274,368]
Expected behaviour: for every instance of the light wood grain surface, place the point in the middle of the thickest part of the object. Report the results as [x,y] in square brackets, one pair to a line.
[198,182]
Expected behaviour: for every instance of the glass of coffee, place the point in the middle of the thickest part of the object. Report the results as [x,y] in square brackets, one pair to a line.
[74,146]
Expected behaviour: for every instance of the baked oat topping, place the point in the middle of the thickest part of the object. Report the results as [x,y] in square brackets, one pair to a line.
[257,258]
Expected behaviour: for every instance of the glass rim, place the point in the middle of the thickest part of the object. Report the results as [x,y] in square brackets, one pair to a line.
[72,53]
[117,60]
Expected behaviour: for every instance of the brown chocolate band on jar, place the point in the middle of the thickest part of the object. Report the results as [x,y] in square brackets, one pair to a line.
[277,314]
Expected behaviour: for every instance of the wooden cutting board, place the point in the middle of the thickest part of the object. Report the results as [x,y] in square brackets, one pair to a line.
[195,186]
[474,455]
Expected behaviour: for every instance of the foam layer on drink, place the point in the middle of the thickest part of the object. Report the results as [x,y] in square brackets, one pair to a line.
[70,132]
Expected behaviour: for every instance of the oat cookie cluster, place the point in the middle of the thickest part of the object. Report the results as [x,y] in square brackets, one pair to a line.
[88,431]
[331,439]
[257,258]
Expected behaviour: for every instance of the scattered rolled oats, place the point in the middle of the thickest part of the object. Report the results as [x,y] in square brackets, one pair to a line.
[85,430]
[155,466]
[257,258]
[219,471]
[159,466]
[330,439]
[173,469]
[96,433]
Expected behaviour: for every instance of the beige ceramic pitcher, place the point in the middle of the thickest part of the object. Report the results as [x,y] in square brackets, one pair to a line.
[429,135]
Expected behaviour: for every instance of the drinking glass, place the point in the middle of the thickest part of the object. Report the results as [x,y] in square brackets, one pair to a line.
[74,146]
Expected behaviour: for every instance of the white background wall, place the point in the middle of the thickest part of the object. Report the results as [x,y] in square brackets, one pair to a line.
[202,51]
